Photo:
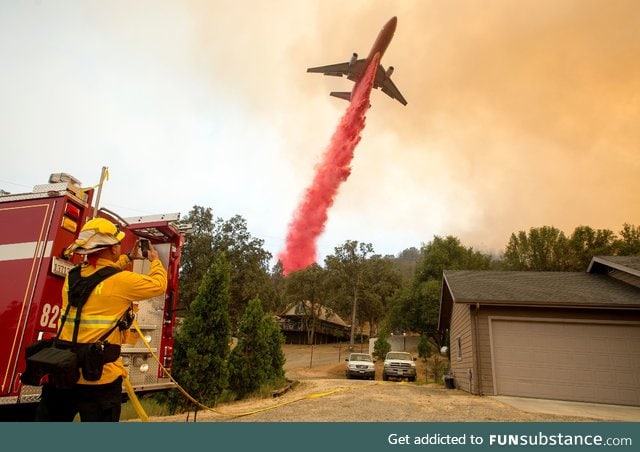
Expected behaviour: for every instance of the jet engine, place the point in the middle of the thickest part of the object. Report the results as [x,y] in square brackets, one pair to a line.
[353,59]
[389,71]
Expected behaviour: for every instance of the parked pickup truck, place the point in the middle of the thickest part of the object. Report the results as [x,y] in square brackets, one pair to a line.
[360,365]
[399,365]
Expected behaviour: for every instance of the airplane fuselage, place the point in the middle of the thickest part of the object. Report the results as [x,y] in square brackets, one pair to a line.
[384,38]
[380,44]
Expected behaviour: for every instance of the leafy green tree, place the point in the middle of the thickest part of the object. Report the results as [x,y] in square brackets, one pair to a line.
[197,254]
[541,249]
[346,269]
[629,242]
[406,261]
[396,316]
[448,253]
[416,307]
[382,346]
[201,347]
[307,288]
[426,307]
[424,352]
[548,249]
[278,282]
[380,282]
[586,242]
[249,261]
[252,361]
[275,339]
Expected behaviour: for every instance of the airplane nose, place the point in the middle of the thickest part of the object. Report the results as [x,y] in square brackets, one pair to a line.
[390,26]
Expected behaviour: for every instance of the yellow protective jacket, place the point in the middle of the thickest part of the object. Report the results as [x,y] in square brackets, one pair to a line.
[107,303]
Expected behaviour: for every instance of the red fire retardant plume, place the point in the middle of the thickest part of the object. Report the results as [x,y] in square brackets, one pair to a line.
[311,215]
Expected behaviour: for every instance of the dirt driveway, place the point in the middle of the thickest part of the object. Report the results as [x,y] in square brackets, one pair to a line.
[321,393]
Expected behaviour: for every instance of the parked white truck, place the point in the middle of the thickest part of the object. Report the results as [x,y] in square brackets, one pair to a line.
[399,365]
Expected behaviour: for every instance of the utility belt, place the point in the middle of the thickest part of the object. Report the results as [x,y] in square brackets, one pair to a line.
[93,357]
[62,361]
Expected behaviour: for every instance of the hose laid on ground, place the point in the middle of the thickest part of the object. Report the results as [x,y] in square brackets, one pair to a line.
[203,407]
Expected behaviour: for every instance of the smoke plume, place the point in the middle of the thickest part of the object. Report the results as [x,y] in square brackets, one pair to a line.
[312,212]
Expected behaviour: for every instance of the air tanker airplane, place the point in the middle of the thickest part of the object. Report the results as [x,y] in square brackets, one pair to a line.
[355,68]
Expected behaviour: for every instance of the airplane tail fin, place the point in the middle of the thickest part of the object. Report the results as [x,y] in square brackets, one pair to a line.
[341,95]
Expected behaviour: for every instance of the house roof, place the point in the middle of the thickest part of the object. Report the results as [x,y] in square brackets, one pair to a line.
[323,314]
[573,289]
[591,289]
[626,264]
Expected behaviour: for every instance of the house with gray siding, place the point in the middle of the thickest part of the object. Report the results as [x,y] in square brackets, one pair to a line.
[552,335]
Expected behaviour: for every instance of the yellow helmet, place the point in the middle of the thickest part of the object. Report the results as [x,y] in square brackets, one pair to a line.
[95,235]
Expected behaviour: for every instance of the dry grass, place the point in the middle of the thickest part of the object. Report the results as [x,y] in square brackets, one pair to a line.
[323,394]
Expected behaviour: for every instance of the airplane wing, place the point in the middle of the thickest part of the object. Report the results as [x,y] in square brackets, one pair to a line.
[384,82]
[353,71]
[346,95]
[337,70]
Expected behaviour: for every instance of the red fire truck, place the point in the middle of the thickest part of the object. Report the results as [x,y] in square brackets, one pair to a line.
[35,228]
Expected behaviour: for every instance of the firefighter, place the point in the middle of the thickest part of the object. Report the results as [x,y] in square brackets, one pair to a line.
[106,305]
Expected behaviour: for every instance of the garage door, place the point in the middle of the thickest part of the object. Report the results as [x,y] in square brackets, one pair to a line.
[589,362]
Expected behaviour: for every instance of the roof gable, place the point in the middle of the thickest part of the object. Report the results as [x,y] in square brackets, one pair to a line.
[303,308]
[626,264]
[570,289]
[611,282]
[622,268]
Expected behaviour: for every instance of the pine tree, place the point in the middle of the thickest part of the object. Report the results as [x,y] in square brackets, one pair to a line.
[275,339]
[258,357]
[382,345]
[201,347]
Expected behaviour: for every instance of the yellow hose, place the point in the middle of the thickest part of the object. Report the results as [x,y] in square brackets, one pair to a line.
[141,412]
[134,400]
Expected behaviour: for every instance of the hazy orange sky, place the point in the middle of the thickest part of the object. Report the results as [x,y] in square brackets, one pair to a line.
[521,113]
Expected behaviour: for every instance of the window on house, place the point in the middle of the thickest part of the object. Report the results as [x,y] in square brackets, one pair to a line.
[459,342]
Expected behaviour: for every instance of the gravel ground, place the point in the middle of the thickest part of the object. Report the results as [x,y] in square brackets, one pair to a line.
[323,394]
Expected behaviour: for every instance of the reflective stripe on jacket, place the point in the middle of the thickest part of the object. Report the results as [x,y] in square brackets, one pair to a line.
[107,303]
